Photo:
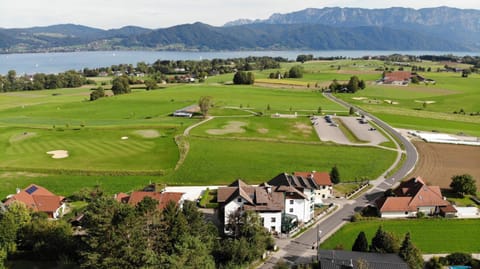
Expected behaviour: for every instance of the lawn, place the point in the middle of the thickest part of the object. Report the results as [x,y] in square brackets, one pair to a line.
[145,150]
[220,161]
[260,127]
[430,235]
[64,184]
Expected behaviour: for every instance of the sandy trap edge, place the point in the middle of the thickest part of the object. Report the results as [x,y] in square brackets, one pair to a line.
[58,154]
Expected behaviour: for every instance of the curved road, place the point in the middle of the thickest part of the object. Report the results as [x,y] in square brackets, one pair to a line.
[299,250]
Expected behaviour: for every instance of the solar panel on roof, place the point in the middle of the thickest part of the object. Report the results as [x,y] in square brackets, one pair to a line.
[31,190]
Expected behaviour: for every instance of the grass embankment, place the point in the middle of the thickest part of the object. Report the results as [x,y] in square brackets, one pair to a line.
[429,235]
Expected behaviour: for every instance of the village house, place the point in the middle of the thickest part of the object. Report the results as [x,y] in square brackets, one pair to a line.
[239,197]
[163,198]
[39,199]
[324,185]
[340,259]
[414,196]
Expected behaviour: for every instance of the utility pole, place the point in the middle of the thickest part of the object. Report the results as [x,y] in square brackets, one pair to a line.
[319,232]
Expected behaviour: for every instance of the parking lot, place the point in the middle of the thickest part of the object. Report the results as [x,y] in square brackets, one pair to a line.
[329,131]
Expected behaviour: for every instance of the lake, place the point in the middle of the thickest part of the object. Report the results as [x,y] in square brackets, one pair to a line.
[30,63]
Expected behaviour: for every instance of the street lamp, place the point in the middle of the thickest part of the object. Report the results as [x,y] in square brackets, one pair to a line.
[319,233]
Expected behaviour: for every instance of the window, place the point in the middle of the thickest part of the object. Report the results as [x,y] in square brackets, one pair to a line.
[239,199]
[272,228]
[324,187]
[290,210]
[273,219]
[291,202]
[323,195]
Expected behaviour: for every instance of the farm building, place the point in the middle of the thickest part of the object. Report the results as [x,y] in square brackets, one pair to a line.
[39,199]
[187,112]
[402,78]
[414,196]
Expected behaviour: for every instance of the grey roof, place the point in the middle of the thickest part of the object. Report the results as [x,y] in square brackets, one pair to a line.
[285,179]
[340,259]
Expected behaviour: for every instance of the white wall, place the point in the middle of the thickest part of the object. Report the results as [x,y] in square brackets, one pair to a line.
[391,215]
[269,223]
[324,192]
[231,207]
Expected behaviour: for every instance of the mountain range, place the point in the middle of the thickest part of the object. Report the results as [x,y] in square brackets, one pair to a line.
[442,28]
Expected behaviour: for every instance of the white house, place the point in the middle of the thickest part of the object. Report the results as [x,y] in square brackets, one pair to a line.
[239,197]
[299,195]
[324,185]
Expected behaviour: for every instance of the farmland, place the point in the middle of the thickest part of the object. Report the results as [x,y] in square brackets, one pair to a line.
[425,234]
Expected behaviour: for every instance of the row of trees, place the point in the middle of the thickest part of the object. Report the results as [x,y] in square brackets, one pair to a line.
[118,235]
[296,71]
[386,242]
[352,86]
[11,82]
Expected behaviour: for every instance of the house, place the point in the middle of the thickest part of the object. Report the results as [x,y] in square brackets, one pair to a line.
[239,197]
[414,196]
[324,188]
[163,198]
[39,199]
[340,259]
[299,193]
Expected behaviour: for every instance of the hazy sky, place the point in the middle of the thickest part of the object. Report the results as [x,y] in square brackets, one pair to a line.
[109,14]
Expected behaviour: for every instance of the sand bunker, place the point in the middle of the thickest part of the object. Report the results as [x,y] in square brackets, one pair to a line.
[58,154]
[303,128]
[359,98]
[231,128]
[22,136]
[150,133]
[427,102]
[390,102]
[262,130]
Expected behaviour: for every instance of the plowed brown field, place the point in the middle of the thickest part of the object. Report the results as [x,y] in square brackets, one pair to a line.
[439,162]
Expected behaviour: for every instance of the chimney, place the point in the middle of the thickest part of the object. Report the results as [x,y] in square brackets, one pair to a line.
[18,190]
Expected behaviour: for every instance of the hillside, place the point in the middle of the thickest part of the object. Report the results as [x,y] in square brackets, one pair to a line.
[443,28]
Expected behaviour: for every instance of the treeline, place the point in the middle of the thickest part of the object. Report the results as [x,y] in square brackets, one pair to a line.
[196,68]
[118,235]
[352,86]
[40,81]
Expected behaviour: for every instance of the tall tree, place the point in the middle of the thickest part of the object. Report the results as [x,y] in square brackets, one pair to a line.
[205,102]
[361,243]
[384,242]
[335,175]
[120,85]
[410,253]
[296,72]
[463,184]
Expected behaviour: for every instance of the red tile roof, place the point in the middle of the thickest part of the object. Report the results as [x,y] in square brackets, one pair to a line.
[163,198]
[397,76]
[37,198]
[411,195]
[321,178]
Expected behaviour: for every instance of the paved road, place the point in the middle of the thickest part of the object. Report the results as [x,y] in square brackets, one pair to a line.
[300,250]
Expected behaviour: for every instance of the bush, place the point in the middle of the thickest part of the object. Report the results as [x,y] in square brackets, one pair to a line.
[459,258]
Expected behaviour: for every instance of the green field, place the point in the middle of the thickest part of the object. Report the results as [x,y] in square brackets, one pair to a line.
[237,143]
[429,235]
[403,106]
[33,123]
[220,161]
